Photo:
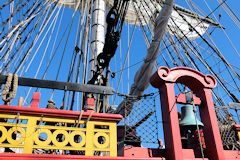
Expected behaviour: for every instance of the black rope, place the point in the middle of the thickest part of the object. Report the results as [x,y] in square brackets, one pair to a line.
[21,33]
[14,13]
[14,54]
[5,4]
[23,60]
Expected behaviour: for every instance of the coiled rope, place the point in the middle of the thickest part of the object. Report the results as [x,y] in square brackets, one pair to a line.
[11,84]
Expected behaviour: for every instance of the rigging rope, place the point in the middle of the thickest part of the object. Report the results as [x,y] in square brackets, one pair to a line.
[195,48]
[22,43]
[125,60]
[65,46]
[5,4]
[83,34]
[234,98]
[172,45]
[15,12]
[198,130]
[213,48]
[24,59]
[52,25]
[147,41]
[11,84]
[231,13]
[12,30]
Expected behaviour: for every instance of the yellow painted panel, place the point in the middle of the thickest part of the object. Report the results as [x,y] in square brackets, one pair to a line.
[61,127]
[101,130]
[29,139]
[89,139]
[113,140]
[238,135]
[62,148]
[28,143]
[13,125]
[11,146]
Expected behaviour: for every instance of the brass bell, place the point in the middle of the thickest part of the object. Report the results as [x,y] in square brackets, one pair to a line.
[188,118]
[188,126]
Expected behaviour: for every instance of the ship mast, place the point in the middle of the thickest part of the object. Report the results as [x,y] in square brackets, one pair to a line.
[97,43]
[98,32]
[104,46]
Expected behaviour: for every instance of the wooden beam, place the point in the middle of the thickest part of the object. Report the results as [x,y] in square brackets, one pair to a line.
[234,105]
[39,83]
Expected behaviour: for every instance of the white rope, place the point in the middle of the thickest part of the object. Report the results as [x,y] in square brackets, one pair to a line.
[198,130]
[225,33]
[46,32]
[90,116]
[141,79]
[8,95]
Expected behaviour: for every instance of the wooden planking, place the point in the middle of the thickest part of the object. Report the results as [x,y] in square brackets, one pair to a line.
[30,82]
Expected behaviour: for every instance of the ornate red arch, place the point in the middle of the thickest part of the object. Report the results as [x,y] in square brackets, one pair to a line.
[183,75]
[202,85]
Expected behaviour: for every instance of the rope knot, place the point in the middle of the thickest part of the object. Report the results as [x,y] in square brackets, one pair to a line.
[10,89]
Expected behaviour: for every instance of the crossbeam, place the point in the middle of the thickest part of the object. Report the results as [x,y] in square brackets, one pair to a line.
[39,83]
[234,105]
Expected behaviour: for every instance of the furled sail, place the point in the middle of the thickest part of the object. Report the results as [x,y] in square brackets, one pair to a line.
[178,24]
[141,80]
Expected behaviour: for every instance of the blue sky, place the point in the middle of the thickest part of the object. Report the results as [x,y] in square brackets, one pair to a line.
[138,48]
[137,52]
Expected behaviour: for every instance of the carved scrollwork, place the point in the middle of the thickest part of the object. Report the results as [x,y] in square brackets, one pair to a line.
[163,72]
[183,75]
[210,81]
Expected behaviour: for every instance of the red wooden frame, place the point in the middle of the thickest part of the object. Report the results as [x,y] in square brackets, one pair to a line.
[201,85]
[164,79]
[35,110]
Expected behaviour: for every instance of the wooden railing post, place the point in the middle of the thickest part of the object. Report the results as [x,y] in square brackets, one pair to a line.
[29,137]
[89,138]
[99,134]
[113,139]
